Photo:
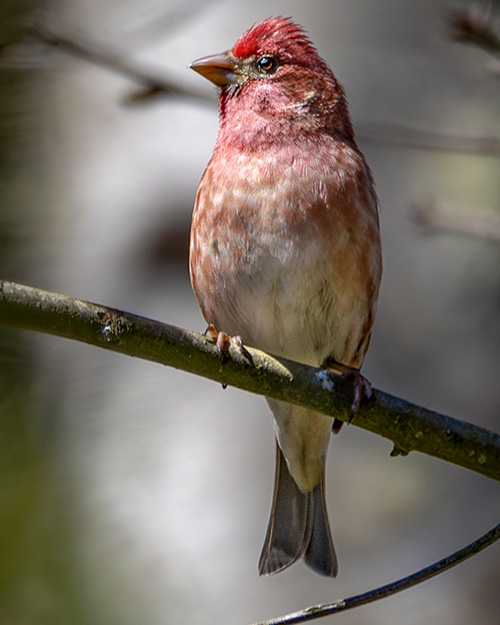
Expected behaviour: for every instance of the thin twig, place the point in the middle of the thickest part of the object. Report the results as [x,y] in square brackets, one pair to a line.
[474,25]
[477,222]
[153,80]
[409,427]
[428,139]
[156,82]
[383,592]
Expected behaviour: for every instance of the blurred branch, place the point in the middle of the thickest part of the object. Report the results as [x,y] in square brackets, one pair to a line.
[409,427]
[474,25]
[478,222]
[383,592]
[156,82]
[427,139]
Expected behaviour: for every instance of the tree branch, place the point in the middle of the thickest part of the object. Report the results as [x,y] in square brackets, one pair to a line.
[383,592]
[474,25]
[429,139]
[409,427]
[478,222]
[155,81]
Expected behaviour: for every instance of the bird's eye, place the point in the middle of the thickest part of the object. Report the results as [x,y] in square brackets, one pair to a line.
[267,64]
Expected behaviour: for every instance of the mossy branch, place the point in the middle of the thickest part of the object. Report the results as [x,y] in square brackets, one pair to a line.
[408,426]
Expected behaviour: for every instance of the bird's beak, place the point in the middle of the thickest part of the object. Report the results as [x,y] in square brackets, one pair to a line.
[218,68]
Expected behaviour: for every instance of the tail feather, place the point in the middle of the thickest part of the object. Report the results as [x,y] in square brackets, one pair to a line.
[320,554]
[298,527]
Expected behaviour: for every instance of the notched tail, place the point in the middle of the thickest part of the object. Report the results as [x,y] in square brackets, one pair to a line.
[298,527]
[320,553]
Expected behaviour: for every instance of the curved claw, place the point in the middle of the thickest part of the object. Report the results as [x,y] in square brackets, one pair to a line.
[223,342]
[222,346]
[244,351]
[362,388]
[351,379]
[211,331]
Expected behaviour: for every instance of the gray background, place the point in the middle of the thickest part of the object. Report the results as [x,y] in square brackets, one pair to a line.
[134,493]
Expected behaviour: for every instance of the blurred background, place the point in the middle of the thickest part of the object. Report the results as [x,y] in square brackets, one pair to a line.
[134,493]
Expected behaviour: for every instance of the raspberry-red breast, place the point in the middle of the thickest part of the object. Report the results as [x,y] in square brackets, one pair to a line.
[285,250]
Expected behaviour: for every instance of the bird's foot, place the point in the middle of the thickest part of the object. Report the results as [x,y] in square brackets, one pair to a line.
[352,381]
[361,388]
[223,343]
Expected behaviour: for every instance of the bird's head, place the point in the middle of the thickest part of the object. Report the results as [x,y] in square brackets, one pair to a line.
[274,71]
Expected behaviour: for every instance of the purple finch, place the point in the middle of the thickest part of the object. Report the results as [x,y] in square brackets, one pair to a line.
[285,250]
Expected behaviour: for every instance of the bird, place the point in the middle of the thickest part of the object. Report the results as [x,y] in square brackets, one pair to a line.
[285,251]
